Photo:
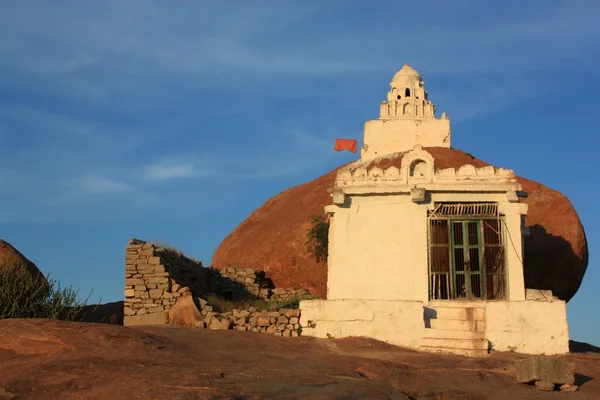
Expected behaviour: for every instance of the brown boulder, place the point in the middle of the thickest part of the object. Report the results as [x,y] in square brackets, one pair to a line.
[12,259]
[185,312]
[273,237]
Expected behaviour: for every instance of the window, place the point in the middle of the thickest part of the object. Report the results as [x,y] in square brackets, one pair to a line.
[407,92]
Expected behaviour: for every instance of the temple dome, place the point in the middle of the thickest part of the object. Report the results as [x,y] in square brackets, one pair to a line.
[406,71]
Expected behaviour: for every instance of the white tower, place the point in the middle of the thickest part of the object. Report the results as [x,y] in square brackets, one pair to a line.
[407,118]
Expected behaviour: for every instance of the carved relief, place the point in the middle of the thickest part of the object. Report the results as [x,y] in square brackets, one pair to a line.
[418,167]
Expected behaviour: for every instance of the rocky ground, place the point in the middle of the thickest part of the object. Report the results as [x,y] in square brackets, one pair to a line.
[42,359]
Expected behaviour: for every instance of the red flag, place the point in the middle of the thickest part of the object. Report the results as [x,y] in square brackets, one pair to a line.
[345,144]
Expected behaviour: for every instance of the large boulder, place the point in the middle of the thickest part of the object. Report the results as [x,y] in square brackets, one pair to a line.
[273,237]
[11,259]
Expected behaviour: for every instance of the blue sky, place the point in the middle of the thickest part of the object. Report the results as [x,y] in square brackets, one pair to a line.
[173,121]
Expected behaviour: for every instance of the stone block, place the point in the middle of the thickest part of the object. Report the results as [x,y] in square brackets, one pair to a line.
[293,320]
[140,287]
[224,324]
[282,319]
[159,318]
[271,329]
[129,293]
[141,311]
[134,281]
[156,293]
[155,260]
[128,311]
[545,369]
[292,313]
[545,386]
[263,321]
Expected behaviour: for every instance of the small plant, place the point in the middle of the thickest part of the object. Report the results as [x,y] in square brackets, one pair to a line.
[27,295]
[299,330]
[317,242]
[225,305]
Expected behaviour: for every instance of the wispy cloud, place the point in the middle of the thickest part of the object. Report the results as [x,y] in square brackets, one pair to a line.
[112,100]
[97,185]
[174,170]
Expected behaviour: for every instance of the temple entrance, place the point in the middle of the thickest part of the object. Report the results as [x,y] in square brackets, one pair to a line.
[466,252]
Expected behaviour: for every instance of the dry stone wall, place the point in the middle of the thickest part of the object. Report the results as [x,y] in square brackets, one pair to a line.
[240,283]
[155,278]
[163,286]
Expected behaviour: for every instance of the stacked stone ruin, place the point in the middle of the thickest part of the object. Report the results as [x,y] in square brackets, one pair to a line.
[157,278]
[240,283]
[277,321]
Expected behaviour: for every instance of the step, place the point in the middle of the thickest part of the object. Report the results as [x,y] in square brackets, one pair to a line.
[456,303]
[457,325]
[449,343]
[463,314]
[451,334]
[460,352]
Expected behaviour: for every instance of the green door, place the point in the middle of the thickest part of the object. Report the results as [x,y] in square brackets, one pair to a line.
[467,259]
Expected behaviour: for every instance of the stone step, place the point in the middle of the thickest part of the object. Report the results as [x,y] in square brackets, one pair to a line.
[460,352]
[457,325]
[456,304]
[452,334]
[462,314]
[452,343]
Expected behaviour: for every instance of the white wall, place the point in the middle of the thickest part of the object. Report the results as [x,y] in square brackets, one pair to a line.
[378,250]
[390,136]
[531,327]
[396,322]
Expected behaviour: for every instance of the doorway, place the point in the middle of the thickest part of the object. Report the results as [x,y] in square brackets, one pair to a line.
[466,256]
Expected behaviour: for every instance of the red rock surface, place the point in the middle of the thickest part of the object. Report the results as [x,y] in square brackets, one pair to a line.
[273,237]
[12,258]
[49,360]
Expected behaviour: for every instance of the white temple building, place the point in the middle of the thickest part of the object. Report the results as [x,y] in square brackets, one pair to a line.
[426,244]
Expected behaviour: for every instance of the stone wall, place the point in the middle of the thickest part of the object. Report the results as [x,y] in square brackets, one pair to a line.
[158,278]
[155,277]
[240,283]
[277,321]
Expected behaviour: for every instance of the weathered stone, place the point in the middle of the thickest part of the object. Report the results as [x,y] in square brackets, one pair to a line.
[287,333]
[134,281]
[128,311]
[129,293]
[241,328]
[156,293]
[159,318]
[546,370]
[155,260]
[271,329]
[282,320]
[292,313]
[545,386]
[141,311]
[185,312]
[208,318]
[568,388]
[140,287]
[263,321]
[224,324]
[293,320]
[295,334]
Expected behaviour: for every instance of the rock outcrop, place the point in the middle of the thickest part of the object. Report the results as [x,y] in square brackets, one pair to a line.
[12,259]
[273,237]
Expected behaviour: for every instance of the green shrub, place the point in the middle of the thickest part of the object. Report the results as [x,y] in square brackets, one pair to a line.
[25,295]
[317,242]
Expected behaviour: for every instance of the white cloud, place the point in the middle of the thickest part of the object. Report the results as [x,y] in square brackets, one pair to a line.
[168,171]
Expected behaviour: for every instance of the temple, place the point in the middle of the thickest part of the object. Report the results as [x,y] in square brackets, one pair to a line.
[426,244]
